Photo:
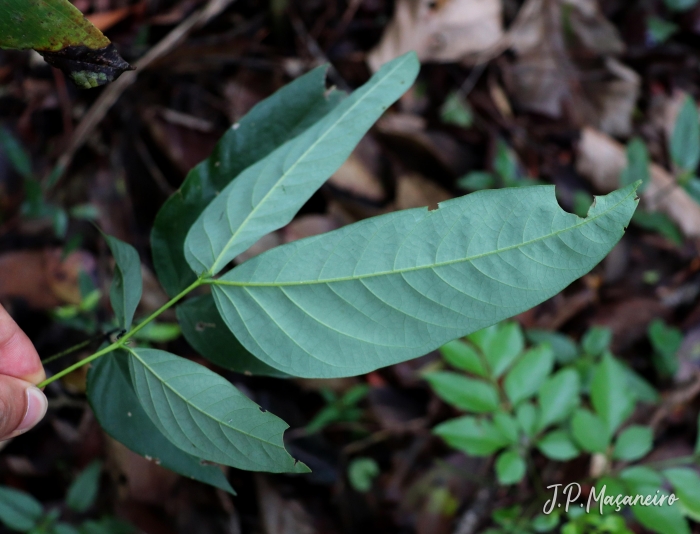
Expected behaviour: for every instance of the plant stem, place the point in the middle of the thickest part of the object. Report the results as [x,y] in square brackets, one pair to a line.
[121,342]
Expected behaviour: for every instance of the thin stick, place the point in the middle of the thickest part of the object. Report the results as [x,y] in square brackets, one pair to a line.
[113,91]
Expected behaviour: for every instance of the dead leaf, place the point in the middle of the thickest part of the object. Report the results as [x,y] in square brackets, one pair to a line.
[355,178]
[309,225]
[564,64]
[140,480]
[414,191]
[601,159]
[41,279]
[445,31]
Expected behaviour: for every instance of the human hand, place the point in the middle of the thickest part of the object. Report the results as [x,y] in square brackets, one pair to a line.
[22,404]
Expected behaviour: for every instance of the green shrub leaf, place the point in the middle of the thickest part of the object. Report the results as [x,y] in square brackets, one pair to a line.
[83,491]
[633,443]
[361,473]
[206,331]
[557,445]
[685,140]
[477,437]
[510,468]
[686,485]
[662,519]
[612,402]
[205,415]
[638,477]
[526,415]
[267,195]
[596,340]
[502,346]
[637,165]
[589,431]
[394,287]
[270,124]
[565,350]
[558,397]
[125,293]
[120,414]
[462,356]
[464,393]
[507,425]
[528,374]
[19,510]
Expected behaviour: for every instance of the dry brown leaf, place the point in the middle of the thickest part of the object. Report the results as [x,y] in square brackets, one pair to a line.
[141,480]
[355,178]
[307,226]
[414,191]
[601,159]
[41,279]
[546,78]
[446,31]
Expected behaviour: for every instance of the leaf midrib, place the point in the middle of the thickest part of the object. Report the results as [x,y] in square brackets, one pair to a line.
[220,282]
[331,127]
[219,421]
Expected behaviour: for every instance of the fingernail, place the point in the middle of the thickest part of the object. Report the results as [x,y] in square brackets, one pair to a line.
[36,410]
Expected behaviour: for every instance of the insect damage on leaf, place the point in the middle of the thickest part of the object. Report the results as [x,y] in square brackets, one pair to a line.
[88,68]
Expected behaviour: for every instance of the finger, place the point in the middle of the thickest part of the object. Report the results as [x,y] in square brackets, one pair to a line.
[22,406]
[18,357]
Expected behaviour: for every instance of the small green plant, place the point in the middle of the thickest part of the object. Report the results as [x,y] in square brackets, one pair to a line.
[371,294]
[35,205]
[562,401]
[339,409]
[20,512]
[506,173]
[684,148]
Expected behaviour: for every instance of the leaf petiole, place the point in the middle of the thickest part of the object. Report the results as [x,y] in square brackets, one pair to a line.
[121,342]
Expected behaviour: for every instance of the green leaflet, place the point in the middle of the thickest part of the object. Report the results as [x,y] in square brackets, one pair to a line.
[267,195]
[205,415]
[19,510]
[83,491]
[206,331]
[394,287]
[272,122]
[66,39]
[120,414]
[125,293]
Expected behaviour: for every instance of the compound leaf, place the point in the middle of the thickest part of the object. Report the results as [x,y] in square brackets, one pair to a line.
[120,414]
[205,415]
[267,195]
[394,287]
[271,123]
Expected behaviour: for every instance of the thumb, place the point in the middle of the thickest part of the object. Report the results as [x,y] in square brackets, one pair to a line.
[22,406]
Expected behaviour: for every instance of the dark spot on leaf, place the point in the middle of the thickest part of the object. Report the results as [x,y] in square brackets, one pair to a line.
[88,68]
[263,410]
